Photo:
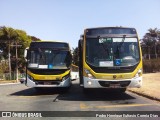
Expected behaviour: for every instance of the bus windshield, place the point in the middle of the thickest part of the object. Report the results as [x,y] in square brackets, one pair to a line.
[112,52]
[48,59]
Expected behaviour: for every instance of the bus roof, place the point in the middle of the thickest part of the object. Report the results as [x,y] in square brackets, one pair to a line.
[49,44]
[51,41]
[110,27]
[115,31]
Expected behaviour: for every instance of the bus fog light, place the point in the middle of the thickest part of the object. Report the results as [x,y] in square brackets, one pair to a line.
[30,77]
[65,77]
[138,74]
[89,82]
[89,74]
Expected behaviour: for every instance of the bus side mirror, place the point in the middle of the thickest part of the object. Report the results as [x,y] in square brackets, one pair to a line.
[25,54]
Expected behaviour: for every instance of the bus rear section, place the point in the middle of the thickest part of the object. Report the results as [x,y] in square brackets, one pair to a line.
[110,57]
[48,65]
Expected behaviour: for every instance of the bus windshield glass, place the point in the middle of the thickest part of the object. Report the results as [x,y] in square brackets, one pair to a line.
[112,52]
[48,59]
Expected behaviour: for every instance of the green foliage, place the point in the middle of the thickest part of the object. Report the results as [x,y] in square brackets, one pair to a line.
[24,40]
[151,42]
[3,66]
[13,37]
[35,38]
[7,34]
[75,56]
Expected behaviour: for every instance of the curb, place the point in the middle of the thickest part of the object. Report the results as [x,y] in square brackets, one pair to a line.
[145,95]
[9,83]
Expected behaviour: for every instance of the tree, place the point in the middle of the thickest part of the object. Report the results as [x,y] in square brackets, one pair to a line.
[9,39]
[75,56]
[7,35]
[34,38]
[23,41]
[151,41]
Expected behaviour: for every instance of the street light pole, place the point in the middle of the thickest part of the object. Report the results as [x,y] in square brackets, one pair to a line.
[9,60]
[16,64]
[16,60]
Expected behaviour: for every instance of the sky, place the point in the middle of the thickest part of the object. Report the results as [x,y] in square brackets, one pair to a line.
[65,20]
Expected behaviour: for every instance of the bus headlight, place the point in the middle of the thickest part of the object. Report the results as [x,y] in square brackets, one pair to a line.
[89,74]
[139,73]
[65,77]
[30,77]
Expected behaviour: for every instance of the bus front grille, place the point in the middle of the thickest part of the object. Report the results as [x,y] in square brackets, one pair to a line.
[47,82]
[110,83]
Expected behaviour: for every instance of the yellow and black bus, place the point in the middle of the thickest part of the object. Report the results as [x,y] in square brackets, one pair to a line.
[110,57]
[48,64]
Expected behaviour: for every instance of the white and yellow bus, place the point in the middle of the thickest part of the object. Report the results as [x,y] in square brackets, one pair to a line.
[110,57]
[48,64]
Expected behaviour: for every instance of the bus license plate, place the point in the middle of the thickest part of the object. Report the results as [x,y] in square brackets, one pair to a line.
[47,83]
[115,86]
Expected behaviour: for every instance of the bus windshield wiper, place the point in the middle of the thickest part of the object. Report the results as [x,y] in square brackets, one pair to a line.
[105,49]
[42,54]
[121,43]
[119,46]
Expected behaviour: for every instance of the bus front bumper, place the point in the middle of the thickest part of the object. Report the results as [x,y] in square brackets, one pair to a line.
[101,83]
[64,83]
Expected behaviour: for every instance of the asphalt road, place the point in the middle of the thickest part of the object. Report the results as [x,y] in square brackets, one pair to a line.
[18,97]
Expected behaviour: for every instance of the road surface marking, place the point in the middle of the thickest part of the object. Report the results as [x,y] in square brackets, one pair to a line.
[84,106]
[128,105]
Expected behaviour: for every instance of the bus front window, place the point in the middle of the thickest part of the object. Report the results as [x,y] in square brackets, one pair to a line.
[111,52]
[48,59]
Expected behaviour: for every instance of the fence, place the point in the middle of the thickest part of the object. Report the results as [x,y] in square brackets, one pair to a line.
[151,56]
[5,76]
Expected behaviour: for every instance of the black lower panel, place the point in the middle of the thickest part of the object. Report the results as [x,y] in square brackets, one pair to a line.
[109,83]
